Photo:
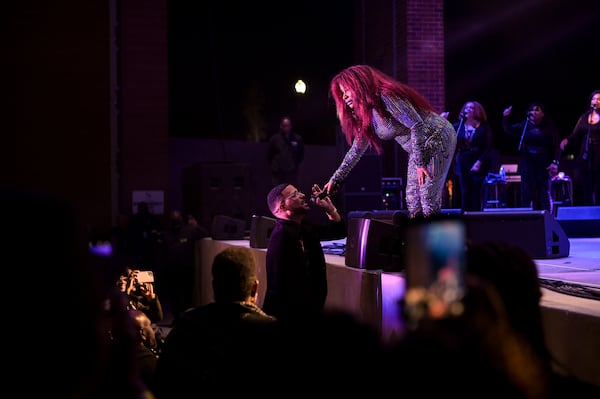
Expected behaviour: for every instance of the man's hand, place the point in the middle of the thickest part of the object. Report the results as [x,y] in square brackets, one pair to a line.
[147,290]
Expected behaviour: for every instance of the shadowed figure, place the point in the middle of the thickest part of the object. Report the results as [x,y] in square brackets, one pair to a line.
[88,346]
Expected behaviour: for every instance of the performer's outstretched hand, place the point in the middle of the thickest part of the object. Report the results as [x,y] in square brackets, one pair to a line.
[330,187]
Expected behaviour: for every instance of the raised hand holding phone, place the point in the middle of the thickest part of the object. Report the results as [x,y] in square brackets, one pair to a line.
[434,269]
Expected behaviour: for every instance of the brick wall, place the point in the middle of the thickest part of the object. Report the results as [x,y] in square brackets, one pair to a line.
[406,40]
[424,44]
[143,96]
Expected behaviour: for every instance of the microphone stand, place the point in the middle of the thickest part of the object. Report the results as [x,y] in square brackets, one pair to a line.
[523,133]
[460,124]
[586,145]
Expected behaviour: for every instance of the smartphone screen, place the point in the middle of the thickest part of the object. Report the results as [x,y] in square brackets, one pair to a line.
[145,276]
[434,268]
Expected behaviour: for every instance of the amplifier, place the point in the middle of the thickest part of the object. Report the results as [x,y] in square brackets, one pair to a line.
[374,240]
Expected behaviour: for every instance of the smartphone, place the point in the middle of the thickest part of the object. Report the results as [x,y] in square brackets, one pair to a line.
[435,256]
[145,276]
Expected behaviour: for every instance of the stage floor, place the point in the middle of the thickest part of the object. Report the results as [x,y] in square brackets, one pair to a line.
[569,283]
[582,266]
[564,280]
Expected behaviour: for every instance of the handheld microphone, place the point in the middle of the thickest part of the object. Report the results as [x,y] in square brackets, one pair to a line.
[321,195]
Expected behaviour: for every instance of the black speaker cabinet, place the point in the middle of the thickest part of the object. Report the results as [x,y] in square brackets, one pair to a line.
[374,240]
[225,227]
[217,188]
[260,231]
[537,232]
[579,221]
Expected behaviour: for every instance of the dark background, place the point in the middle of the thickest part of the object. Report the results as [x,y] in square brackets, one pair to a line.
[233,65]
[503,53]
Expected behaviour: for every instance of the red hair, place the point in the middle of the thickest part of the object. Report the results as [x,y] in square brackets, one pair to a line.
[368,84]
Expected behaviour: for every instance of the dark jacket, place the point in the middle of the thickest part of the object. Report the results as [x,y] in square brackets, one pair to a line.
[540,140]
[209,349]
[478,148]
[296,268]
[284,155]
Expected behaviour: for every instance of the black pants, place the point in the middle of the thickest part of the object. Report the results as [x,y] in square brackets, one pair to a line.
[590,176]
[535,181]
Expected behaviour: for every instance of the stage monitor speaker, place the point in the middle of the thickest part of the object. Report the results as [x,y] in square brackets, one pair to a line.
[260,231]
[374,240]
[225,227]
[535,231]
[579,221]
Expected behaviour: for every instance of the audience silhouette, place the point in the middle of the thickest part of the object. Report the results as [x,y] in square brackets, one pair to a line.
[214,348]
[88,347]
[496,347]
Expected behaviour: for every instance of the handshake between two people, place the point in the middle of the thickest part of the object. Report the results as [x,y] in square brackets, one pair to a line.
[319,193]
[321,197]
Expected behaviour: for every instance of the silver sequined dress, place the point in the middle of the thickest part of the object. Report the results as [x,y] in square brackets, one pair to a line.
[430,141]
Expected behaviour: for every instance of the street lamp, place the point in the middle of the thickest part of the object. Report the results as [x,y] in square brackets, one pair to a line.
[300,86]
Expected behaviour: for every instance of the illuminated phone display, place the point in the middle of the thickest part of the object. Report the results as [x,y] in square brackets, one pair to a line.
[434,268]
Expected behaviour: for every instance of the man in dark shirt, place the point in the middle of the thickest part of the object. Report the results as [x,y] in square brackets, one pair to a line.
[213,347]
[295,262]
[285,153]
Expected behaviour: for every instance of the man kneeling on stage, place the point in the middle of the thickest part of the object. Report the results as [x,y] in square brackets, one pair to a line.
[295,262]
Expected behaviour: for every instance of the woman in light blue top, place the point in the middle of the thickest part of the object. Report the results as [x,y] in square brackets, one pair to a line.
[371,106]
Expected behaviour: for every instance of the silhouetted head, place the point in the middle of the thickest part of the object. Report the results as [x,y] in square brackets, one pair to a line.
[234,275]
[514,275]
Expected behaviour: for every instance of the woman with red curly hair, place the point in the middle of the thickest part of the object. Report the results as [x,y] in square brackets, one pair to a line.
[371,106]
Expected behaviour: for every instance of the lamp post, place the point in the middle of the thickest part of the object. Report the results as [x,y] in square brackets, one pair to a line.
[300,86]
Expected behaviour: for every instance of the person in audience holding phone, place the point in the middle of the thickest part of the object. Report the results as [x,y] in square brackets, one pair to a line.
[473,338]
[140,293]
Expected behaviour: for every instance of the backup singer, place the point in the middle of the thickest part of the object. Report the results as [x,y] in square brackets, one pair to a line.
[587,132]
[473,151]
[539,149]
